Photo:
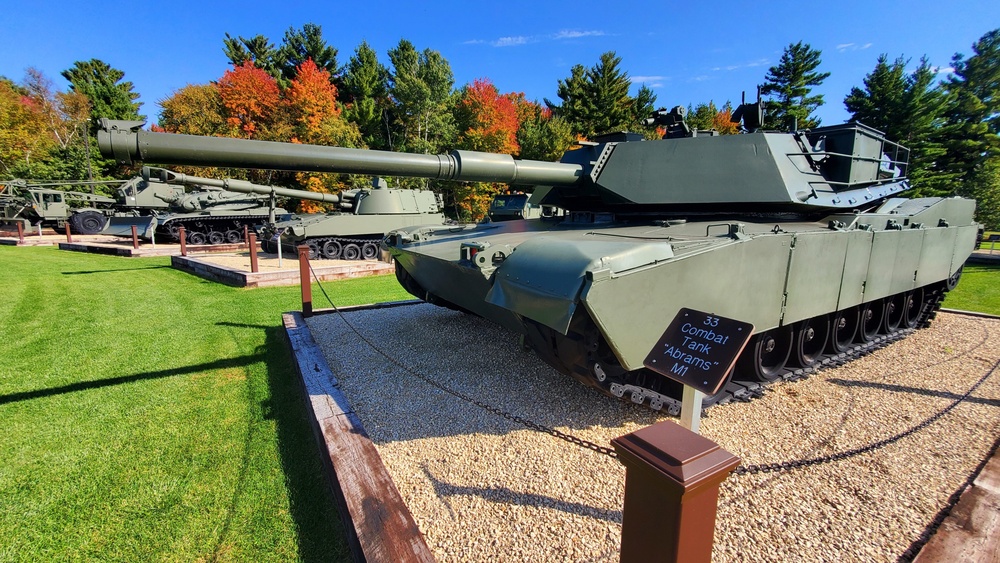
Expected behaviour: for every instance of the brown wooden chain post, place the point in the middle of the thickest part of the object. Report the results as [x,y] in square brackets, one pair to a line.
[246,234]
[20,232]
[305,281]
[252,242]
[135,237]
[69,237]
[183,236]
[672,483]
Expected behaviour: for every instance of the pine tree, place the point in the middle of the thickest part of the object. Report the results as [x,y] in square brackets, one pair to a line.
[789,84]
[971,135]
[909,109]
[109,96]
[597,100]
[365,94]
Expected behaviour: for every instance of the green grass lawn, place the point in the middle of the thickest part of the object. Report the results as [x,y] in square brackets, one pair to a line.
[978,290]
[151,415]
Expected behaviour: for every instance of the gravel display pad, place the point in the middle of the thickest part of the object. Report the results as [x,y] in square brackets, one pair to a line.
[483,488]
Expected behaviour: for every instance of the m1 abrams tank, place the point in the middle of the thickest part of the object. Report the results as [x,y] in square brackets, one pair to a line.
[353,232]
[797,233]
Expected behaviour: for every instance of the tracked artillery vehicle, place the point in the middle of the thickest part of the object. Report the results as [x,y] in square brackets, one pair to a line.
[352,232]
[212,213]
[799,233]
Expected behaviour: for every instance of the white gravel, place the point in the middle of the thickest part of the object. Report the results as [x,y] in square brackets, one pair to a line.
[483,488]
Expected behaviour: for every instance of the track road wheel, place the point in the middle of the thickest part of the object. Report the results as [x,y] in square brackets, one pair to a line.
[843,327]
[233,236]
[709,400]
[215,237]
[197,238]
[369,250]
[872,314]
[314,251]
[765,356]
[952,281]
[913,301]
[88,222]
[331,250]
[895,308]
[351,252]
[811,336]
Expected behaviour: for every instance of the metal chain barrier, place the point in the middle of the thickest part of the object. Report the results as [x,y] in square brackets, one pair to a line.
[741,470]
[487,407]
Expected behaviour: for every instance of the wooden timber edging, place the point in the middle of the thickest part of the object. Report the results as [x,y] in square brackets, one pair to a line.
[971,530]
[379,525]
[242,278]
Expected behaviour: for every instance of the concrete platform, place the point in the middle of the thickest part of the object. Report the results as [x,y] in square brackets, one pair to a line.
[116,246]
[233,269]
[984,257]
[48,238]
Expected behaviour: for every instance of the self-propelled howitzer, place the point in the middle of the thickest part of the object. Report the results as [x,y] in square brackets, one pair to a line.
[797,233]
[352,231]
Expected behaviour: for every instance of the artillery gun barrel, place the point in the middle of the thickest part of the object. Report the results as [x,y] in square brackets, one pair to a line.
[241,186]
[126,142]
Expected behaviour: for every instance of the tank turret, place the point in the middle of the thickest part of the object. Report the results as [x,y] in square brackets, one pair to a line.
[798,233]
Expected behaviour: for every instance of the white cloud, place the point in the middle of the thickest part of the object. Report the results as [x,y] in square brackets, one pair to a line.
[573,34]
[942,69]
[751,64]
[510,41]
[648,79]
[516,40]
[845,47]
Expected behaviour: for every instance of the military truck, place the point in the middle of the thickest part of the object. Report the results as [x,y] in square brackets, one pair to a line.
[33,205]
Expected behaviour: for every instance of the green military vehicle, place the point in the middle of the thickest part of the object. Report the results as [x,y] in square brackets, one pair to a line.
[211,213]
[513,206]
[86,213]
[802,234]
[352,232]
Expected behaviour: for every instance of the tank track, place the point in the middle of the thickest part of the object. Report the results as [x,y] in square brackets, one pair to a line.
[583,354]
[229,226]
[334,248]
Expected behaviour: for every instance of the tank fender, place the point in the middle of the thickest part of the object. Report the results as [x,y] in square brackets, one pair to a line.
[543,278]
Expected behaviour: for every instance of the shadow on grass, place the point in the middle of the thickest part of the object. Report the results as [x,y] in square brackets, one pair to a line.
[914,390]
[321,536]
[99,383]
[115,270]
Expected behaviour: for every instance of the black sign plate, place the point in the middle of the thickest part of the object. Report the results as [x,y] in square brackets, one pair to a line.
[698,349]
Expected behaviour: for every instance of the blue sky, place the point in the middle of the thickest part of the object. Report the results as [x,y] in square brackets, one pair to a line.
[688,52]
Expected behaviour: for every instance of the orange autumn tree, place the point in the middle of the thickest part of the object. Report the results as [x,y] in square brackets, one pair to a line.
[315,117]
[250,97]
[488,121]
[722,122]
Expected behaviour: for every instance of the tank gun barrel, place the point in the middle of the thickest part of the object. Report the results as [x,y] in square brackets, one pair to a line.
[234,185]
[126,142]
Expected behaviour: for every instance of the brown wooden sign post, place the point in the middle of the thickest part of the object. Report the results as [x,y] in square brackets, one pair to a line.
[182,235]
[672,483]
[305,281]
[135,237]
[69,237]
[252,242]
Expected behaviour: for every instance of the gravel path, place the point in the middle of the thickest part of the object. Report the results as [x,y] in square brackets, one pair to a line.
[483,488]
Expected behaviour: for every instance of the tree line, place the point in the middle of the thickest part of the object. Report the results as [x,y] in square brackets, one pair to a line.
[298,91]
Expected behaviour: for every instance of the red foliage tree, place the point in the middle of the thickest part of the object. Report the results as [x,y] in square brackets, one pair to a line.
[250,97]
